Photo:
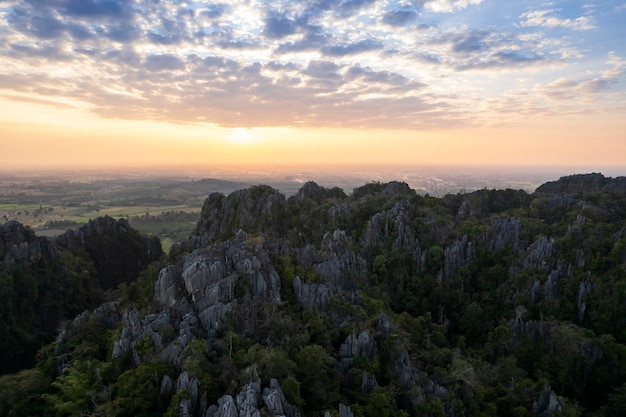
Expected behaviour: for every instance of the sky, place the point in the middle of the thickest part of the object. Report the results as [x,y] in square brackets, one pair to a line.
[86,83]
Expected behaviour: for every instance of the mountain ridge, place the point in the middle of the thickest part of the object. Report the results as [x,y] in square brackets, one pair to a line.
[382,302]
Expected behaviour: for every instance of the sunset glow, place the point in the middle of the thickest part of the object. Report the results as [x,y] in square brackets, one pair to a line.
[108,83]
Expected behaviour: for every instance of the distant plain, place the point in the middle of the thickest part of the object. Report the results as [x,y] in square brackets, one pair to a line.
[167,202]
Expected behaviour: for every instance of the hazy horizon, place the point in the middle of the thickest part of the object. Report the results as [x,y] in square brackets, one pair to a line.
[433,179]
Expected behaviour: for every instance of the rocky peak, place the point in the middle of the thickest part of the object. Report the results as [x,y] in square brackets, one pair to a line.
[584,184]
[117,251]
[259,209]
[210,280]
[392,188]
[393,224]
[19,244]
[312,191]
[397,188]
[252,401]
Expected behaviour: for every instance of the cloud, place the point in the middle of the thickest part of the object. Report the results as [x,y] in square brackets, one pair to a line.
[604,81]
[54,19]
[214,11]
[165,62]
[546,18]
[323,70]
[313,39]
[121,33]
[597,85]
[277,27]
[30,51]
[448,6]
[470,41]
[42,25]
[399,17]
[349,7]
[472,49]
[351,49]
[358,63]
[95,8]
[169,32]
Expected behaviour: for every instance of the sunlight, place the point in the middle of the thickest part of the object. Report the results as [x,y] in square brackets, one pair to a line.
[243,136]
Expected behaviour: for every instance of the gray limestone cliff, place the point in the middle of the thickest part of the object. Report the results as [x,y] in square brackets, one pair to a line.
[19,244]
[272,270]
[255,210]
[585,184]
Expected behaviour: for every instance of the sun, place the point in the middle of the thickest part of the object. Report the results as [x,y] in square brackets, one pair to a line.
[243,136]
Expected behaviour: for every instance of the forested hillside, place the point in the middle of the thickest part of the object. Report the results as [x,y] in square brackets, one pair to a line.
[45,282]
[377,303]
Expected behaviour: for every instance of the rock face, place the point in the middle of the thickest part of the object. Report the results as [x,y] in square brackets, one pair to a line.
[503,232]
[391,227]
[211,278]
[252,401]
[117,251]
[335,263]
[539,253]
[547,405]
[585,184]
[456,255]
[19,244]
[265,276]
[257,209]
[311,191]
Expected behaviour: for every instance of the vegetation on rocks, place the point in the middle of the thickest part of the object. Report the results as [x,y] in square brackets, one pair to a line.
[378,303]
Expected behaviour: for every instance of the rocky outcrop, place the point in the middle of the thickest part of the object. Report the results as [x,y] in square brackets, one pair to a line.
[398,188]
[616,186]
[585,184]
[311,191]
[159,330]
[362,344]
[338,267]
[337,261]
[390,189]
[503,232]
[117,251]
[547,405]
[252,401]
[19,244]
[338,213]
[257,210]
[456,255]
[276,403]
[391,228]
[228,277]
[539,253]
[309,295]
[209,280]
[584,288]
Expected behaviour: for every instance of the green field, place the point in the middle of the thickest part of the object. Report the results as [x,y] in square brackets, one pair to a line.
[167,208]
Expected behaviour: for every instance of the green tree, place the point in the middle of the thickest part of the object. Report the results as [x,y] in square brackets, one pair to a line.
[137,390]
[21,394]
[81,388]
[318,377]
[434,259]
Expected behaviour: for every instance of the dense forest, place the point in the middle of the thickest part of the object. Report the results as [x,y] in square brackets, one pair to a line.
[382,302]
